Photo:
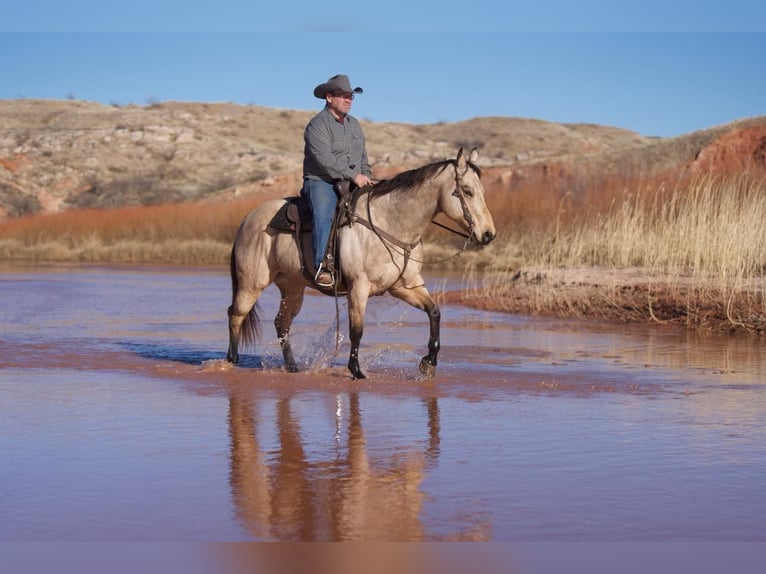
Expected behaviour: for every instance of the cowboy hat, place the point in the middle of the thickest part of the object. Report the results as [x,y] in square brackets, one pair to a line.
[338,82]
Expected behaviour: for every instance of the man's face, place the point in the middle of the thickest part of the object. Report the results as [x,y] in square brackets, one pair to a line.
[340,102]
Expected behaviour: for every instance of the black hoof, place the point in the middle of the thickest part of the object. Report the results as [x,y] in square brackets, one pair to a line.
[356,372]
[427,368]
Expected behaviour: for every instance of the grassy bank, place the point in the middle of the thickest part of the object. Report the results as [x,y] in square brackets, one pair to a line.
[694,254]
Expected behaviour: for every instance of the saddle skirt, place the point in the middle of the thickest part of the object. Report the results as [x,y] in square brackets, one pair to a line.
[295,212]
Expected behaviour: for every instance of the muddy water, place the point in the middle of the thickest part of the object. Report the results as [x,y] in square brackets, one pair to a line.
[121,421]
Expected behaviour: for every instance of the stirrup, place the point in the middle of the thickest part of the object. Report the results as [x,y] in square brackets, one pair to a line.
[324,284]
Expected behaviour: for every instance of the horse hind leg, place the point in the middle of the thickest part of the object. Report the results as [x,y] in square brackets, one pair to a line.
[244,323]
[289,306]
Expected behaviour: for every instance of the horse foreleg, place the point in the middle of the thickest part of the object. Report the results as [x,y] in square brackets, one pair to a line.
[420,298]
[289,307]
[428,363]
[357,304]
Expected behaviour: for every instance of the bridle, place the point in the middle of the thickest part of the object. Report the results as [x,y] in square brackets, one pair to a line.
[460,194]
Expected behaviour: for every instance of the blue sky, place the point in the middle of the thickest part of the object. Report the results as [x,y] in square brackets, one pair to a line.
[658,68]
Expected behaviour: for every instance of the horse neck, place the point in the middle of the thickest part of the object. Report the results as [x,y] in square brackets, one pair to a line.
[407,213]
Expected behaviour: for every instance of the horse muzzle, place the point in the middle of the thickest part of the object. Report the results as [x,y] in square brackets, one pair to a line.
[483,239]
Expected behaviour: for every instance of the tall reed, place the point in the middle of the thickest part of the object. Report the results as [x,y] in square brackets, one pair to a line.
[711,229]
[701,245]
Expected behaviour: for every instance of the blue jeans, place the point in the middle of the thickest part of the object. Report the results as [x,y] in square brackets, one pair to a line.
[323,200]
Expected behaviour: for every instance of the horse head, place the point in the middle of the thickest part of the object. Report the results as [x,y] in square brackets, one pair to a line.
[465,203]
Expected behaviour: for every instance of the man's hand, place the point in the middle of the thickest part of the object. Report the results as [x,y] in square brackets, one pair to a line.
[362,180]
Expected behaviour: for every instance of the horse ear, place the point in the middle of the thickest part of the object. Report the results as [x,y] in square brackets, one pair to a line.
[460,158]
[473,155]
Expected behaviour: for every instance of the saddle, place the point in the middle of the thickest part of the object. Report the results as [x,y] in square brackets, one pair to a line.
[295,217]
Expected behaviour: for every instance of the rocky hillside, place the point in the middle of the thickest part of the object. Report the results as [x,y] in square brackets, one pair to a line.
[58,155]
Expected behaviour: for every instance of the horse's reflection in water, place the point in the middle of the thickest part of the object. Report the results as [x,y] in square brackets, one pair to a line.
[350,497]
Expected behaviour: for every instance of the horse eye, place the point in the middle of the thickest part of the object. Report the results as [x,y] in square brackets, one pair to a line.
[468,191]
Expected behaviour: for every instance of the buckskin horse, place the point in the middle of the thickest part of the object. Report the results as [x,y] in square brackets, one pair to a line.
[380,250]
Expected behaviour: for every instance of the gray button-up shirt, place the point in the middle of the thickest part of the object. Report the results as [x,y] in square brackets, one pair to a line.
[333,149]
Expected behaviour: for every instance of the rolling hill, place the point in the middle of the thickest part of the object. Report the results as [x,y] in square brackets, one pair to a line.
[57,155]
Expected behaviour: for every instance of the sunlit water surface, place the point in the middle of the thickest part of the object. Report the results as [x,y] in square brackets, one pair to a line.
[121,421]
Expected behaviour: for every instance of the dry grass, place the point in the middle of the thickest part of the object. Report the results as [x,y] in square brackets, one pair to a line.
[694,255]
[192,233]
[711,229]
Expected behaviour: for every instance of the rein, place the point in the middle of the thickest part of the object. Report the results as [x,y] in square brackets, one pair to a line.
[448,228]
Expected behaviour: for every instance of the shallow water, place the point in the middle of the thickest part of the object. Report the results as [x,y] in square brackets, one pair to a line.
[121,421]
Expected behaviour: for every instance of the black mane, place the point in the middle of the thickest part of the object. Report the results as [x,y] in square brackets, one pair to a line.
[414,177]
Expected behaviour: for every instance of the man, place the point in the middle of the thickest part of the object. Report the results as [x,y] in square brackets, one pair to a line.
[335,150]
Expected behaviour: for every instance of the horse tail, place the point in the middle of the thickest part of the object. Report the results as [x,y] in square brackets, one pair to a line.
[250,331]
[251,327]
